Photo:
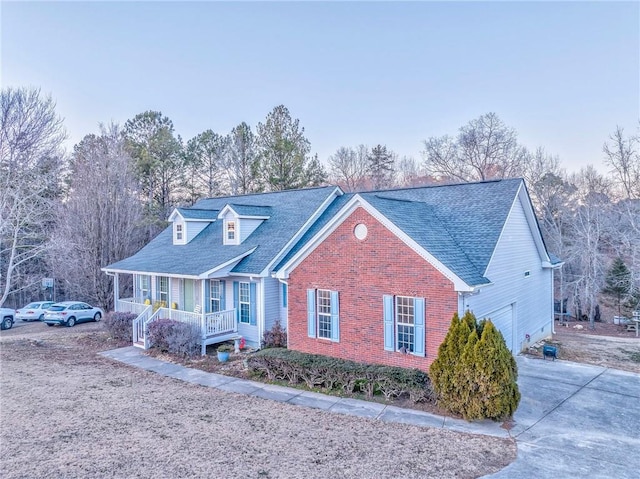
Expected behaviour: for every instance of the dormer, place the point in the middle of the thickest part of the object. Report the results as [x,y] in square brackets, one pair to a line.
[188,223]
[239,221]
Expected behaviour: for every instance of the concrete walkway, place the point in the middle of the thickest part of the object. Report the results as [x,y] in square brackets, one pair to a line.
[573,421]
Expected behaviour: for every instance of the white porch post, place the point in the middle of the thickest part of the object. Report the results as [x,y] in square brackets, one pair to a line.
[116,291]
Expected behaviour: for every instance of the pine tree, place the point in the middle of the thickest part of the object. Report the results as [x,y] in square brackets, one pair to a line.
[381,166]
[618,282]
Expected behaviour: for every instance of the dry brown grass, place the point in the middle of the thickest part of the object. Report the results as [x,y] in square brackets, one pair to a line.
[68,412]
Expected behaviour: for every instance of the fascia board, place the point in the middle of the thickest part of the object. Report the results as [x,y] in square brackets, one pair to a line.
[303,229]
[226,263]
[350,207]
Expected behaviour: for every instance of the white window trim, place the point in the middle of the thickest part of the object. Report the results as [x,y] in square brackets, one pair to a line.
[212,297]
[179,233]
[160,292]
[240,302]
[325,315]
[236,232]
[397,323]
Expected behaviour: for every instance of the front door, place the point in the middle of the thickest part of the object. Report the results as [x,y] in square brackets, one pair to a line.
[188,294]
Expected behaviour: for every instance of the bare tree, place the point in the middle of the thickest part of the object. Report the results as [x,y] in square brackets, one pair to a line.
[31,135]
[484,149]
[588,230]
[622,155]
[101,219]
[348,167]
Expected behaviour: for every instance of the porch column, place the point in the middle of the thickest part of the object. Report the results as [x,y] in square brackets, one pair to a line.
[116,291]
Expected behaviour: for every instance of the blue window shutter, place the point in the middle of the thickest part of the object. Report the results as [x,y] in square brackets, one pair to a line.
[207,296]
[418,318]
[252,304]
[387,301]
[284,295]
[223,293]
[311,313]
[335,317]
[236,299]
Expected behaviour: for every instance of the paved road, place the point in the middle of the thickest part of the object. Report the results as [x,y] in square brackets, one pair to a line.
[575,421]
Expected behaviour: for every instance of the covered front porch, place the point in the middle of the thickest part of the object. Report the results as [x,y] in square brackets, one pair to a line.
[195,301]
[214,328]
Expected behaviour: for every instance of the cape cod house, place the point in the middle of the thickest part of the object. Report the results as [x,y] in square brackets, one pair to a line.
[372,277]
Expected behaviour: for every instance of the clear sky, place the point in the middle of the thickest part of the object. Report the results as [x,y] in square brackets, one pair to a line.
[563,74]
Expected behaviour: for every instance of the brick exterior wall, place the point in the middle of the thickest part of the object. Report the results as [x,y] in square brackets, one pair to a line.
[362,272]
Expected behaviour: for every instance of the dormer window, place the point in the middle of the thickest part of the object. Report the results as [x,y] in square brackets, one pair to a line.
[231,231]
[179,232]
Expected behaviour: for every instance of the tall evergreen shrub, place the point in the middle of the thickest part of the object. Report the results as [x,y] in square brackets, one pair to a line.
[475,374]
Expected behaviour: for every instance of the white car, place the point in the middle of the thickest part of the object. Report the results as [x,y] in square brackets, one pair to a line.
[68,313]
[6,318]
[33,311]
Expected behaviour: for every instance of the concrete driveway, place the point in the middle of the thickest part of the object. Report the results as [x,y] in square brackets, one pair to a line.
[575,421]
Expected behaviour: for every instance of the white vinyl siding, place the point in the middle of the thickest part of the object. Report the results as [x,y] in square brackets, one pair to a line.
[529,295]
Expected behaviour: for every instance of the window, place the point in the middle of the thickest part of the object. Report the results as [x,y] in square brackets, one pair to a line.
[178,232]
[215,295]
[231,231]
[144,286]
[245,303]
[404,324]
[324,313]
[405,332]
[323,319]
[162,293]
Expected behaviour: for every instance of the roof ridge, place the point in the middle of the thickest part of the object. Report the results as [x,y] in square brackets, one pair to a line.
[441,185]
[264,193]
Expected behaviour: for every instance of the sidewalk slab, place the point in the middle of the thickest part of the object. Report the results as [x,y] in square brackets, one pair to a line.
[314,400]
[486,427]
[240,386]
[409,416]
[356,407]
[276,393]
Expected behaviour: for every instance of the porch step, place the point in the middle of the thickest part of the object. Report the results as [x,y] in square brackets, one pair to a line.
[139,344]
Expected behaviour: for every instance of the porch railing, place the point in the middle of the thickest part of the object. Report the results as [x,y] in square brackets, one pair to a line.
[139,325]
[128,305]
[219,323]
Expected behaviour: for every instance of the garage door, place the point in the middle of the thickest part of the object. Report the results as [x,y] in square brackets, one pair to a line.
[503,320]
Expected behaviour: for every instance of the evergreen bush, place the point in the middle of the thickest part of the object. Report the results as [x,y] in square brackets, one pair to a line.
[474,374]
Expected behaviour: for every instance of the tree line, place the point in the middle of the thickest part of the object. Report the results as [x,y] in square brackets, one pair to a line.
[66,215]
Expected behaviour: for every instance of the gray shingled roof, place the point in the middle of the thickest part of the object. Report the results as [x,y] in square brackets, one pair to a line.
[458,224]
[289,211]
[251,210]
[195,214]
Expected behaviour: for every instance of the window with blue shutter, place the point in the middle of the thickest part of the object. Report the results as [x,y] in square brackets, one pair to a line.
[223,293]
[335,317]
[252,304]
[404,324]
[311,313]
[418,310]
[284,295]
[236,304]
[388,317]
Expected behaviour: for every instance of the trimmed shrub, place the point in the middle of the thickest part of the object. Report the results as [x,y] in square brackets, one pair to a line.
[475,374]
[175,337]
[343,376]
[120,325]
[276,337]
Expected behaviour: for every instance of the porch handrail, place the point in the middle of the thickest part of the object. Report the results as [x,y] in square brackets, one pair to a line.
[219,322]
[128,305]
[139,324]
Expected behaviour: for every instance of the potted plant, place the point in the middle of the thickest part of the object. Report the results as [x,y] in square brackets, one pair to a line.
[223,352]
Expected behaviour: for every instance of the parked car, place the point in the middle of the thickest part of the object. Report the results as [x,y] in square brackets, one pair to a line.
[33,311]
[68,313]
[6,318]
